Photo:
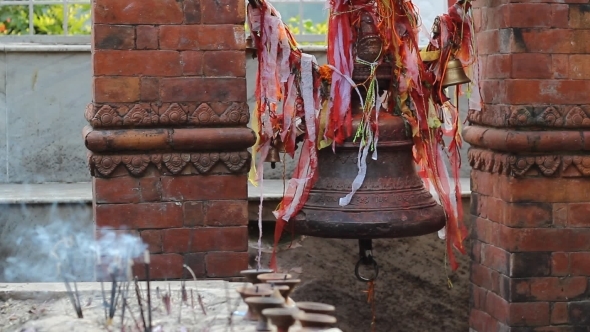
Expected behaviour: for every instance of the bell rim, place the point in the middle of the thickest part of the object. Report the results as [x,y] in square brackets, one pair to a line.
[419,222]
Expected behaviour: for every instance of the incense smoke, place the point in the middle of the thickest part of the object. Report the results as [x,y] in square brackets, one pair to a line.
[62,244]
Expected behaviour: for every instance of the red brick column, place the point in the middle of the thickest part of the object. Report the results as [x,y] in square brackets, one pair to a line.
[531,168]
[168,130]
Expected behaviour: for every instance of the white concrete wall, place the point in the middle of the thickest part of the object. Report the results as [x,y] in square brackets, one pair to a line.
[42,100]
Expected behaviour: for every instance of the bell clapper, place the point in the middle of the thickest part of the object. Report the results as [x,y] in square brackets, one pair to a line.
[366,258]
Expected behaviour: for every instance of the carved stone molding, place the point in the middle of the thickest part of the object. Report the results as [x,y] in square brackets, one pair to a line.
[561,116]
[168,139]
[518,165]
[488,161]
[136,164]
[170,163]
[523,141]
[213,114]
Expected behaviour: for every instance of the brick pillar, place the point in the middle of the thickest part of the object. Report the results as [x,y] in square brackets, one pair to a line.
[168,132]
[531,168]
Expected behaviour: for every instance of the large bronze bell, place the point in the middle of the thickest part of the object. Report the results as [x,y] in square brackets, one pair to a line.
[392,201]
[454,74]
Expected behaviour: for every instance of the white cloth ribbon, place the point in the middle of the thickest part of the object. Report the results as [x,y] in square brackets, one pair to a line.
[309,153]
[372,138]
[362,166]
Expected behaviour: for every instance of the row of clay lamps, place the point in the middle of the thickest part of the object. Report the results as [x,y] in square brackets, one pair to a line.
[267,298]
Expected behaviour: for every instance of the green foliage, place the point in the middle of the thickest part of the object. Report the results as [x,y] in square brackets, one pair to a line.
[47,19]
[309,28]
[14,20]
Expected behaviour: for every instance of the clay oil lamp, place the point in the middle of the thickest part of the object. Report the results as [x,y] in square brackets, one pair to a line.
[311,322]
[258,304]
[283,290]
[316,308]
[290,283]
[282,318]
[252,291]
[266,277]
[252,275]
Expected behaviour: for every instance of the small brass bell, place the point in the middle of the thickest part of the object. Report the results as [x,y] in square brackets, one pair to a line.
[274,153]
[273,156]
[454,75]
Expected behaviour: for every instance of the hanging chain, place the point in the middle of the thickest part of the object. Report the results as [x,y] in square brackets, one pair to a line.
[366,258]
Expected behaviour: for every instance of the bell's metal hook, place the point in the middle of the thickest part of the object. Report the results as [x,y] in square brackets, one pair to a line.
[366,258]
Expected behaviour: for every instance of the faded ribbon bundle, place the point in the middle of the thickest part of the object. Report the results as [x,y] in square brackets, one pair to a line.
[300,104]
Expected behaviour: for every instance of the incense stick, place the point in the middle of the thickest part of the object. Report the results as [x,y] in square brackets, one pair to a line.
[199,298]
[123,307]
[76,304]
[104,299]
[146,257]
[126,304]
[140,306]
[180,308]
[78,299]
[113,296]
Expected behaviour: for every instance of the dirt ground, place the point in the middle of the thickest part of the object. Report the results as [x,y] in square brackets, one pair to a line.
[46,308]
[411,293]
[56,314]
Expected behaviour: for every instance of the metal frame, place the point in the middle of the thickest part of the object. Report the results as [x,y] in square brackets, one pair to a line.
[66,39]
[32,3]
[305,38]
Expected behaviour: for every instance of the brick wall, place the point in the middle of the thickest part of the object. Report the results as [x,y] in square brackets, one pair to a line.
[168,131]
[531,172]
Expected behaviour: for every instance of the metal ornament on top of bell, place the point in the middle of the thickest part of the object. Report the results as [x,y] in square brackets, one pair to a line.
[454,74]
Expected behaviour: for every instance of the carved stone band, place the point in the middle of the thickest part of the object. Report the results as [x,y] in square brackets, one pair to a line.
[108,165]
[181,139]
[527,141]
[548,116]
[522,165]
[125,115]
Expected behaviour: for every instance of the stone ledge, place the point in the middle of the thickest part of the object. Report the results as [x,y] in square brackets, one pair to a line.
[81,192]
[33,47]
[51,290]
[43,47]
[48,193]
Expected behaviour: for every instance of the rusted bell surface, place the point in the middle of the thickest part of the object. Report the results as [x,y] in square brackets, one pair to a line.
[392,202]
